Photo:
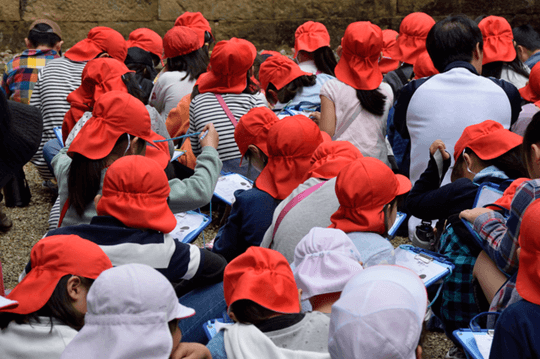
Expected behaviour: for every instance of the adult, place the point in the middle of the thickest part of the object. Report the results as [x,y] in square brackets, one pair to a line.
[527,44]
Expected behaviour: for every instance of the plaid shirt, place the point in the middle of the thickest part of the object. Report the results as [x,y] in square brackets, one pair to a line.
[21,73]
[501,236]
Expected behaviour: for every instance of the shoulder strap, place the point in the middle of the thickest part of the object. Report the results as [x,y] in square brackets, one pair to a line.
[63,213]
[226,109]
[346,125]
[297,199]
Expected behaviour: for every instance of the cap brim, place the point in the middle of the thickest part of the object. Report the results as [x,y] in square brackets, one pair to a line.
[528,94]
[7,303]
[84,50]
[404,184]
[183,312]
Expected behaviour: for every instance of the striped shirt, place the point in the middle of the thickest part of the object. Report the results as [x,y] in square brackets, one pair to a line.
[205,108]
[55,82]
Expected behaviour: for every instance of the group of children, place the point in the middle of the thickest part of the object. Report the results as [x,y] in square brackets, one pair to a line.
[303,264]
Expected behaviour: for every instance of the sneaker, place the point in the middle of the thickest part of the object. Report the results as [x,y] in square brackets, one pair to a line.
[455,353]
[5,222]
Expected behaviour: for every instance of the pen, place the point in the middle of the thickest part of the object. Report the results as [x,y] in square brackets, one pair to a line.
[179,137]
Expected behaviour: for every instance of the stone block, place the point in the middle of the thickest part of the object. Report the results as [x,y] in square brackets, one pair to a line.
[96,10]
[12,34]
[357,9]
[218,10]
[262,34]
[431,7]
[495,7]
[10,11]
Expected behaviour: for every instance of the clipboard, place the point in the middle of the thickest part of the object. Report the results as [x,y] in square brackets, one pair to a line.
[467,340]
[189,225]
[400,217]
[228,184]
[176,154]
[213,326]
[430,266]
[58,132]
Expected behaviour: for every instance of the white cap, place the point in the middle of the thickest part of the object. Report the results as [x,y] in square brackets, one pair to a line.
[325,260]
[7,303]
[379,315]
[129,308]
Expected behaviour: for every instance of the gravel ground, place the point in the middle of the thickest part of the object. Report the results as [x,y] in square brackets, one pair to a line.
[30,224]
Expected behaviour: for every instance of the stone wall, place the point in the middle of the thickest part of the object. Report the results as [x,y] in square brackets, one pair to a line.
[269,24]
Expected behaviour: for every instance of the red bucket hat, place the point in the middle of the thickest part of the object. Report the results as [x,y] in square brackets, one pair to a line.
[135,191]
[387,63]
[180,40]
[361,206]
[229,64]
[146,39]
[100,39]
[263,276]
[330,157]
[115,113]
[279,70]
[498,40]
[98,77]
[253,129]
[423,67]
[359,63]
[197,22]
[488,140]
[528,277]
[413,32]
[291,143]
[52,258]
[531,92]
[310,36]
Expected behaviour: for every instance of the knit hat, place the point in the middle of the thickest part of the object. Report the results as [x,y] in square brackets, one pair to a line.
[330,157]
[379,315]
[359,63]
[253,129]
[135,191]
[146,39]
[423,67]
[99,76]
[197,22]
[180,40]
[310,36]
[100,39]
[21,127]
[291,143]
[263,276]
[7,304]
[229,64]
[528,277]
[387,63]
[361,206]
[488,140]
[52,258]
[324,261]
[55,29]
[280,71]
[412,37]
[498,40]
[129,308]
[531,92]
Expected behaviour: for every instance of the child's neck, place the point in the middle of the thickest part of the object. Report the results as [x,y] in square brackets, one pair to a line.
[323,303]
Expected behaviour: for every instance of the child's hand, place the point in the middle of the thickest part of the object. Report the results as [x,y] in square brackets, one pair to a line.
[211,138]
[439,145]
[471,214]
[315,116]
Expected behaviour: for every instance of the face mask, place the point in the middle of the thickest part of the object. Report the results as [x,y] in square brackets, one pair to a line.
[129,144]
[468,169]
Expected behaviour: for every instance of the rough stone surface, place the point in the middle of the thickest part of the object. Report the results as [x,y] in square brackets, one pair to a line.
[10,11]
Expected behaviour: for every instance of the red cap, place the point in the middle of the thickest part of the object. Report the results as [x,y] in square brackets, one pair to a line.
[280,71]
[528,277]
[498,40]
[52,258]
[488,140]
[387,63]
[326,137]
[99,76]
[330,157]
[263,276]
[229,64]
[531,92]
[135,191]
[100,39]
[413,32]
[423,67]
[291,143]
[361,206]
[310,36]
[197,22]
[253,129]
[180,40]
[508,195]
[359,63]
[115,113]
[146,39]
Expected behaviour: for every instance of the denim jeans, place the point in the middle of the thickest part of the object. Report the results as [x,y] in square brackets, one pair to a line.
[50,149]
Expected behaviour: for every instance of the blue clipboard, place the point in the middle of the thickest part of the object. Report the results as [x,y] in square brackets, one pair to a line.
[430,266]
[213,326]
[400,217]
[58,132]
[229,183]
[466,338]
[189,225]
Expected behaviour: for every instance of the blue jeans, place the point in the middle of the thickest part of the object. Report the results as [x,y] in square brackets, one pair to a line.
[209,303]
[50,149]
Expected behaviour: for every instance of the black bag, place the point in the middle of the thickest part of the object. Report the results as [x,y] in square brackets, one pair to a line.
[16,191]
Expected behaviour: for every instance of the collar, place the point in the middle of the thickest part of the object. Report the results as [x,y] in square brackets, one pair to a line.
[32,52]
[464,64]
[490,174]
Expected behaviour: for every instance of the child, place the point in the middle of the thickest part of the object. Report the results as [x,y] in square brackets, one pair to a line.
[531,94]
[312,49]
[132,313]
